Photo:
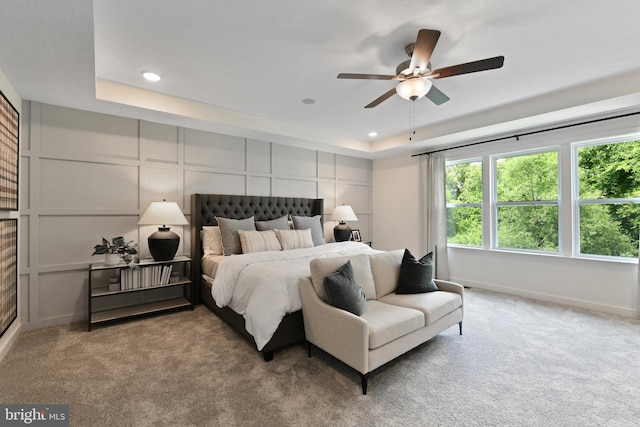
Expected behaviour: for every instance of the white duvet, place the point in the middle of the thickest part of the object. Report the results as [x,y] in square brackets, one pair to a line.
[263,286]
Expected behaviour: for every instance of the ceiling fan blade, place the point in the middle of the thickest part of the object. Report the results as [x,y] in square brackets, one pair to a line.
[365,76]
[384,97]
[470,67]
[425,43]
[436,96]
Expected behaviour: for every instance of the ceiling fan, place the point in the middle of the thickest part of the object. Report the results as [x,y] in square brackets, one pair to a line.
[414,75]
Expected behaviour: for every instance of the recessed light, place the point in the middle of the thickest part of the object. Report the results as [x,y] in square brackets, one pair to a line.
[372,134]
[152,77]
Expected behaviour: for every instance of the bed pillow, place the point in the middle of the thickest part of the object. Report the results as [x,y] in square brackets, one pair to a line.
[211,240]
[343,292]
[229,232]
[258,241]
[313,223]
[273,224]
[294,239]
[416,276]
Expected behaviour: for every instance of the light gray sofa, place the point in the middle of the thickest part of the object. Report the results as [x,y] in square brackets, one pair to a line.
[392,324]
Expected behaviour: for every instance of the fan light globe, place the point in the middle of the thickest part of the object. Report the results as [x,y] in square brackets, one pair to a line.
[412,89]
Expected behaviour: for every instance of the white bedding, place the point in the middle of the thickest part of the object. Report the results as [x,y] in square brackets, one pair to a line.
[263,286]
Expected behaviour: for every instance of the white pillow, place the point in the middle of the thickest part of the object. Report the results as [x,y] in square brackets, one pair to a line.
[211,240]
[294,239]
[258,241]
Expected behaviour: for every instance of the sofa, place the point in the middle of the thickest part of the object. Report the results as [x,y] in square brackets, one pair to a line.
[392,323]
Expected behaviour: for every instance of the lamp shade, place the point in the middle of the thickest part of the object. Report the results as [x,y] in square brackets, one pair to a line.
[165,213]
[413,89]
[342,232]
[163,244]
[343,213]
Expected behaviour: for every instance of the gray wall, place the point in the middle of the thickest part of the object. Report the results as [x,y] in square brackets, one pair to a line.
[87,175]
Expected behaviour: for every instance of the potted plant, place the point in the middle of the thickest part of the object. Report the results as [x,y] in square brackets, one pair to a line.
[115,249]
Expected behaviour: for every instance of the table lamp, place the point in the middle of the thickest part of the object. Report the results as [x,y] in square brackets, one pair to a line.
[163,244]
[342,232]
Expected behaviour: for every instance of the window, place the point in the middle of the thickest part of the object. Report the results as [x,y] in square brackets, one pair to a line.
[464,203]
[526,206]
[608,202]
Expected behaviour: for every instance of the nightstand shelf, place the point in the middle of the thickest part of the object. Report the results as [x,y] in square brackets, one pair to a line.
[119,292]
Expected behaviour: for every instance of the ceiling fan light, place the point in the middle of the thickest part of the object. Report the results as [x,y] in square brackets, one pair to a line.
[413,89]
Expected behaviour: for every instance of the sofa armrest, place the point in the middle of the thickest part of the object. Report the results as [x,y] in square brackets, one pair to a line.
[342,334]
[454,287]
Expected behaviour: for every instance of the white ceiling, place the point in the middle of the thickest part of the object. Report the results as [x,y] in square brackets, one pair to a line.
[243,67]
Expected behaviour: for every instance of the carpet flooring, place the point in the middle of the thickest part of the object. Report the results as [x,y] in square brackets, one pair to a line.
[519,363]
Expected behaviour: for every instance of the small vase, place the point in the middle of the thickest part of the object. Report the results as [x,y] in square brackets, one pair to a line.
[111,259]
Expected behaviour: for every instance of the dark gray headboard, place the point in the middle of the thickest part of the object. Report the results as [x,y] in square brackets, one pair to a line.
[206,207]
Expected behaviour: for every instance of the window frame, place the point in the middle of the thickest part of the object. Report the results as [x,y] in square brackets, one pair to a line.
[495,204]
[577,202]
[479,205]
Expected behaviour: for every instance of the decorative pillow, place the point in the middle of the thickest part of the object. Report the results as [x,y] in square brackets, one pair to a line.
[273,224]
[343,292]
[211,240]
[361,266]
[229,231]
[312,223]
[294,239]
[416,276]
[258,241]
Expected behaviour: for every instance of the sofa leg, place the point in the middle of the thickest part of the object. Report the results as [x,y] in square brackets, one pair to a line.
[364,379]
[460,326]
[308,348]
[267,356]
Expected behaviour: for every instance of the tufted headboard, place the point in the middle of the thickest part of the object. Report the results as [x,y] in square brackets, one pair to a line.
[205,208]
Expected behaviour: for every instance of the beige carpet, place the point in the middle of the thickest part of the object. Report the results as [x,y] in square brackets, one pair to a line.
[519,363]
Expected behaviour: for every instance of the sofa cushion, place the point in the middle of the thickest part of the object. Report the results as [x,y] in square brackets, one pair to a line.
[434,305]
[416,276]
[320,267]
[385,267]
[343,292]
[388,322]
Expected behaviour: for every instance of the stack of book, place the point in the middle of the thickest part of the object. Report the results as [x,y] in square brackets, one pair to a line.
[145,277]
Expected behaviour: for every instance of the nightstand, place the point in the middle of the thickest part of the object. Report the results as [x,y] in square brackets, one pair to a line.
[120,291]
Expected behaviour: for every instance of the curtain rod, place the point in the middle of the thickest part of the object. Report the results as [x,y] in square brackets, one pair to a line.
[517,136]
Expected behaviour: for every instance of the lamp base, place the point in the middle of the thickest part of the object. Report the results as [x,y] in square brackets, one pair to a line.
[163,244]
[342,232]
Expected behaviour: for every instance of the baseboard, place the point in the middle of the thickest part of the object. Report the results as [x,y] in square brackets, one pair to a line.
[572,302]
[9,339]
[54,321]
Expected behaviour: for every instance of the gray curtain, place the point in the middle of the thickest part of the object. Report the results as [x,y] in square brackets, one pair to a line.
[434,211]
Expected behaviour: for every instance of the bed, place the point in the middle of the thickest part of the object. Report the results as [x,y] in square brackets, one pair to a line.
[205,211]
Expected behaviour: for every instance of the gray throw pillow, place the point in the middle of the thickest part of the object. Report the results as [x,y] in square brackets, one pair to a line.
[416,276]
[229,232]
[281,223]
[312,222]
[343,292]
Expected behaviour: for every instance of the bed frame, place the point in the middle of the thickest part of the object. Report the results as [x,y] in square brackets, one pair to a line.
[204,209]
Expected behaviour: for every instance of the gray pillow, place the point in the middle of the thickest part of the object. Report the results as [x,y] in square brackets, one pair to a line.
[273,224]
[343,292]
[229,232]
[312,222]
